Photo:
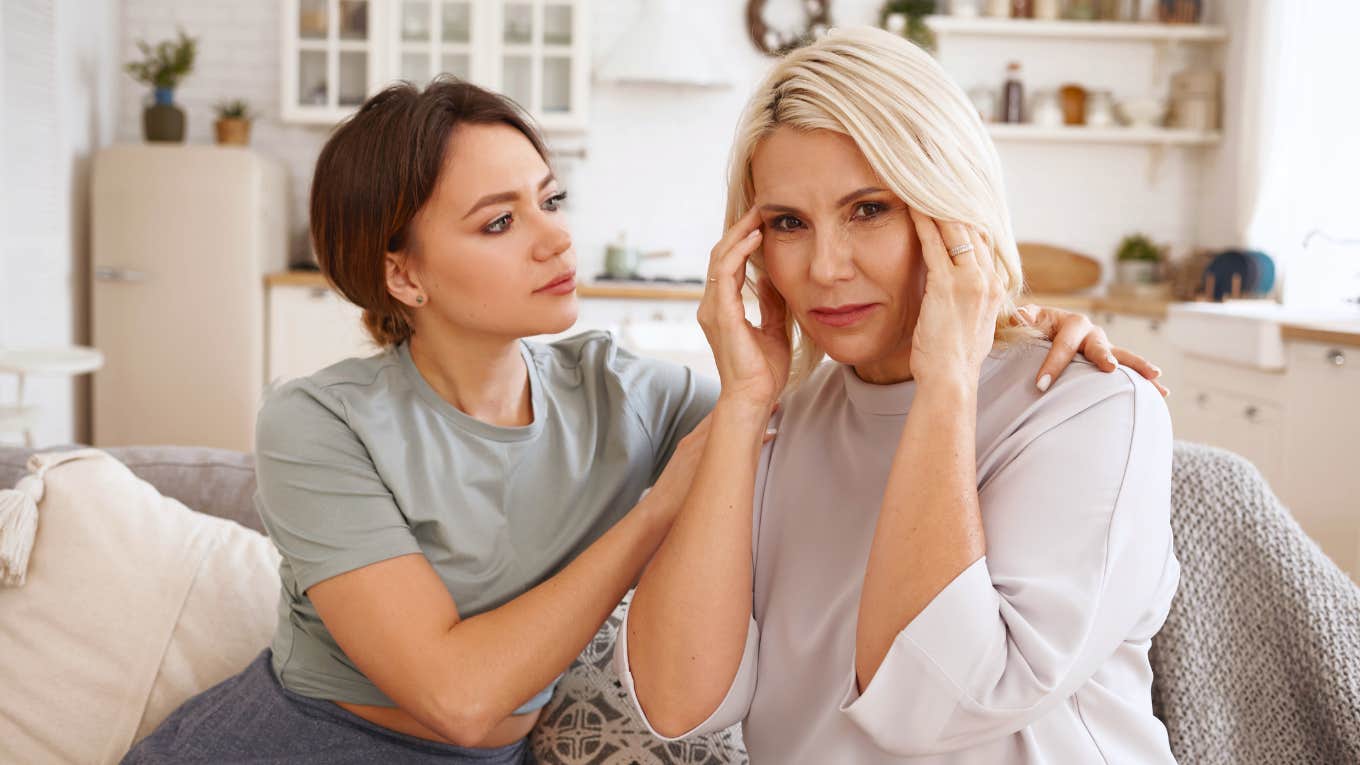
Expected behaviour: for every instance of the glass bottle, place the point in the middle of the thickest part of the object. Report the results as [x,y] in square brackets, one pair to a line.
[1013,95]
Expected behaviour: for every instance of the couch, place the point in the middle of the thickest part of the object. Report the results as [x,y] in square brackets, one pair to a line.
[1259,660]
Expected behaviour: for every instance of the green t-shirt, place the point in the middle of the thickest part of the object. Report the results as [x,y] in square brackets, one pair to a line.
[363,461]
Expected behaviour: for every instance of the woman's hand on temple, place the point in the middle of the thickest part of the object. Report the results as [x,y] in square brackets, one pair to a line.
[957,322]
[753,362]
[1073,333]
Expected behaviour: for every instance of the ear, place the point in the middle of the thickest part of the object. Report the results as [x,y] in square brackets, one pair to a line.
[403,283]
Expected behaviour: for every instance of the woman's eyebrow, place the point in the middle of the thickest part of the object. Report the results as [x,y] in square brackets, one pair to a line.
[856,194]
[843,201]
[506,196]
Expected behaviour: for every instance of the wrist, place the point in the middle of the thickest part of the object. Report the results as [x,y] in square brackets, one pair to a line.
[743,410]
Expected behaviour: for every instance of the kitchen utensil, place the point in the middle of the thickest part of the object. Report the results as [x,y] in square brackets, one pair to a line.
[1142,112]
[1056,270]
[622,261]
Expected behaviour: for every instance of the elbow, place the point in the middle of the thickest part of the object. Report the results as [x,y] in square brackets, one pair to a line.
[463,721]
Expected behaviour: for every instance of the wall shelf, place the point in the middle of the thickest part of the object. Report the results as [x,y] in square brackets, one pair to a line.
[1091,30]
[1155,136]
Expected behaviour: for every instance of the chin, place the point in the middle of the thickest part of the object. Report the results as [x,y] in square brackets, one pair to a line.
[560,320]
[851,347]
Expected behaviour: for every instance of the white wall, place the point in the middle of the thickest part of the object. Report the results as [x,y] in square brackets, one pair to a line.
[58,107]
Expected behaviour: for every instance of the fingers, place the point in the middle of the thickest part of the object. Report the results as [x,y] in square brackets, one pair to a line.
[773,311]
[1097,349]
[933,249]
[1071,333]
[1143,367]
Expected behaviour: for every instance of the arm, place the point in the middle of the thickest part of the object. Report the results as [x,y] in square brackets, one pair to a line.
[1078,562]
[943,659]
[690,638]
[349,547]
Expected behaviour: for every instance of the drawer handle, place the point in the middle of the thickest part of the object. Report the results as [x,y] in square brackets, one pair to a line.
[1336,358]
[125,275]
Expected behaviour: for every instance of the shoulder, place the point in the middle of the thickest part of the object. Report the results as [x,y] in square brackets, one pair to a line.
[596,357]
[324,395]
[1125,410]
[1079,387]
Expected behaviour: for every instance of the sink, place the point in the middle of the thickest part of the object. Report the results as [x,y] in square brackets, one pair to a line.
[1247,332]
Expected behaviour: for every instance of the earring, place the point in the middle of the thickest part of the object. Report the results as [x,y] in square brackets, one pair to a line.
[420,300]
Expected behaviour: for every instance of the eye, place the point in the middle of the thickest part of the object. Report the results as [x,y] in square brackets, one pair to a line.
[865,210]
[552,203]
[499,225]
[786,223]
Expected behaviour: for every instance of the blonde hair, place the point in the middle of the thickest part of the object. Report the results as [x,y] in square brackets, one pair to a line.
[915,127]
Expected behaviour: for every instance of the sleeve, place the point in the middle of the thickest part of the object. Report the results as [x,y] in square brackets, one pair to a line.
[1078,560]
[319,495]
[734,705]
[668,398]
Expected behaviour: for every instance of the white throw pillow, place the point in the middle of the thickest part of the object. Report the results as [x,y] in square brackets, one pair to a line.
[133,603]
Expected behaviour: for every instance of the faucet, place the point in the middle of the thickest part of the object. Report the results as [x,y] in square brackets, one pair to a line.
[1318,233]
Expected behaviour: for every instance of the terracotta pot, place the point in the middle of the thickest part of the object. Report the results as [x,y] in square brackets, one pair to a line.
[233,132]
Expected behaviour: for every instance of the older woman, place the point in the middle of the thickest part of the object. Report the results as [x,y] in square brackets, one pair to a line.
[944,565]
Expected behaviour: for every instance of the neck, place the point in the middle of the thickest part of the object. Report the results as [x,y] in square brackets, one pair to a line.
[483,376]
[886,371]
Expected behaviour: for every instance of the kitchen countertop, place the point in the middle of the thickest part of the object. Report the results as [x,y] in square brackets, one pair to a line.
[1314,331]
[618,290]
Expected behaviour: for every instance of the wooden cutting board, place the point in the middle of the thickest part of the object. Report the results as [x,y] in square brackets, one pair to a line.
[1056,271]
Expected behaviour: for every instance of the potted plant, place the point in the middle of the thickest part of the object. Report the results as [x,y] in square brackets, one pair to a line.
[163,67]
[907,18]
[1138,260]
[233,123]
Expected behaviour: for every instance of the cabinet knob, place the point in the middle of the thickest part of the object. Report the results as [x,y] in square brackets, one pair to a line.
[1251,412]
[1336,357]
[1202,399]
[1155,325]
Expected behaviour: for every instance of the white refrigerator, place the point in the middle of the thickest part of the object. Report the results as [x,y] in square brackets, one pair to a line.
[182,239]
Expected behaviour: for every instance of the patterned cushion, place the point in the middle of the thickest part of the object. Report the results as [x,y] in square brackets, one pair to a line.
[591,721]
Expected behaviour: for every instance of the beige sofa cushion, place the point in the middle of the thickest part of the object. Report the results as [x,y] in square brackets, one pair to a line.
[133,603]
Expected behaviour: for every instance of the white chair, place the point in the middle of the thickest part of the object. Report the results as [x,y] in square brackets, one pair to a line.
[24,362]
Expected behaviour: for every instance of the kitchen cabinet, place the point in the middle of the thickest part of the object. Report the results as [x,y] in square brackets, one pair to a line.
[336,53]
[1322,486]
[312,327]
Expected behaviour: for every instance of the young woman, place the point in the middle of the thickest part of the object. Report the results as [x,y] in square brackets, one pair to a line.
[944,565]
[458,514]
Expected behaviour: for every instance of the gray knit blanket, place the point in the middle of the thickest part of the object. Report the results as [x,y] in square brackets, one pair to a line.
[1259,661]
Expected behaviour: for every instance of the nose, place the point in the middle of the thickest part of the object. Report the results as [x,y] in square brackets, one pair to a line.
[831,259]
[553,238]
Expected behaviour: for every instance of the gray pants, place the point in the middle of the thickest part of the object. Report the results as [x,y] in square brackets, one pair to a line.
[250,718]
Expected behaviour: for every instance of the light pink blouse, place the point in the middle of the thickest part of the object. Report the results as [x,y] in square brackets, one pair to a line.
[1037,653]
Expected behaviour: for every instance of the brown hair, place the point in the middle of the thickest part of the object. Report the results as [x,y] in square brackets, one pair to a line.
[376,171]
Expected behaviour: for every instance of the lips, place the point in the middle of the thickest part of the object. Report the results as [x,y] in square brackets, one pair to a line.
[843,315]
[563,284]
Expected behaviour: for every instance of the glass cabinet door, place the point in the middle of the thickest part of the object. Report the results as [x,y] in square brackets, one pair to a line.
[329,47]
[541,58]
[435,37]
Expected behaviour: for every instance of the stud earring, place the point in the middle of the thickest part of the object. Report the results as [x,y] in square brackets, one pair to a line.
[420,300]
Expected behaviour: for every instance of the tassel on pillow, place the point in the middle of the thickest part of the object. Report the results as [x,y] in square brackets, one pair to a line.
[18,527]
